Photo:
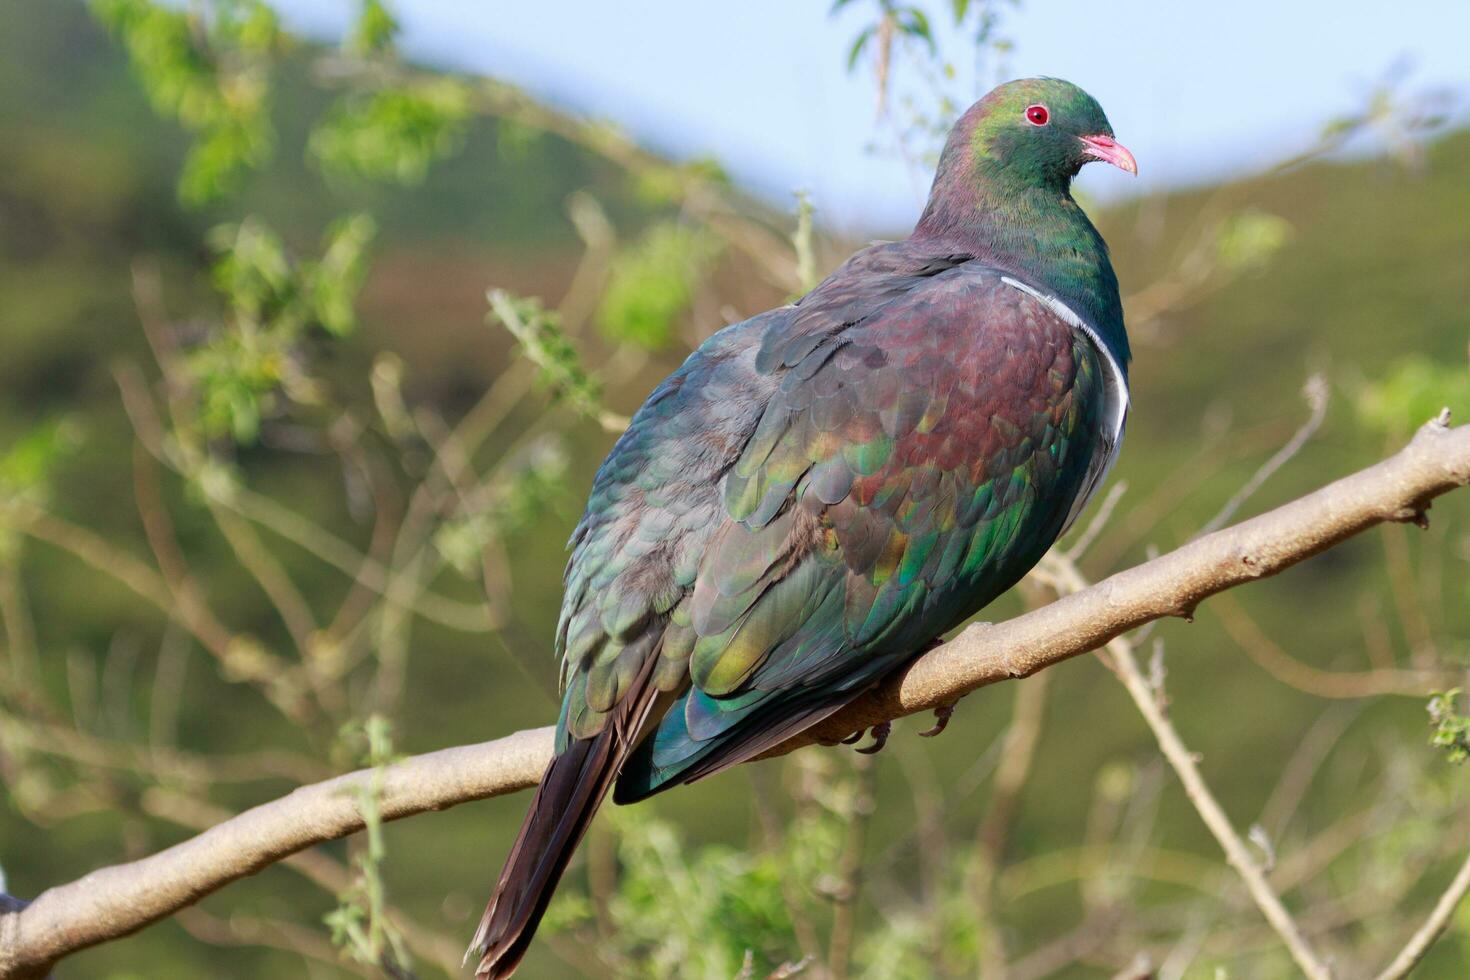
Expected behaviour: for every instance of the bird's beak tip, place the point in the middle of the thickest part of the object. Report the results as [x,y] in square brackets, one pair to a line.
[1109,150]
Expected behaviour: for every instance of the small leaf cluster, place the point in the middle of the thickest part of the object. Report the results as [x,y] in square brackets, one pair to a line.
[374,32]
[359,924]
[539,333]
[393,134]
[652,283]
[209,70]
[1451,729]
[243,369]
[904,19]
[679,910]
[666,184]
[211,65]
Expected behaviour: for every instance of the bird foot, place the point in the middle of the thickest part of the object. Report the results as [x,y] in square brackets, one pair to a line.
[942,714]
[880,738]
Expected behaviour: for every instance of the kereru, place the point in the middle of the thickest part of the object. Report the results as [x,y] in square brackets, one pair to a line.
[822,490]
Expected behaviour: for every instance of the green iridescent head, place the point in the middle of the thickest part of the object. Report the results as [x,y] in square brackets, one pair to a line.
[1039,131]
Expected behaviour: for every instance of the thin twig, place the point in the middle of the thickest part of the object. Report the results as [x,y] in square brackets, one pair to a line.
[1268,655]
[1236,851]
[1148,697]
[1438,921]
[1017,752]
[850,871]
[1098,522]
[1315,391]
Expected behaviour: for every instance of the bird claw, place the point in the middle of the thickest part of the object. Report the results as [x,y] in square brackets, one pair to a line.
[880,738]
[942,714]
[854,738]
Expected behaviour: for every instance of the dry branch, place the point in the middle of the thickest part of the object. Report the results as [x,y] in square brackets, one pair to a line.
[120,900]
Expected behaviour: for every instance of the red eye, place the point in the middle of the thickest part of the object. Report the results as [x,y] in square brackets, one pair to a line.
[1037,115]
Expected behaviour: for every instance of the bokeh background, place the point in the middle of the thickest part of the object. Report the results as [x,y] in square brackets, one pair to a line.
[281,493]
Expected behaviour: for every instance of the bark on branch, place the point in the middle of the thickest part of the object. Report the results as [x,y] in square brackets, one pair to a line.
[116,901]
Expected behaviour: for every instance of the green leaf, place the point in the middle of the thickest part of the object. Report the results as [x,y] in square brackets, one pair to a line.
[858,44]
[915,23]
[253,365]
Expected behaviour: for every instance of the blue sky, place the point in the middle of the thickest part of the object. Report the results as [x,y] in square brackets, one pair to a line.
[1196,90]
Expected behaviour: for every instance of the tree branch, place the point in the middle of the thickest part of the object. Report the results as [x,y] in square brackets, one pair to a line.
[120,900]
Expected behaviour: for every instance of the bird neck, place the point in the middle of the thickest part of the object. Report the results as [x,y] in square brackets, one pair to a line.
[1035,232]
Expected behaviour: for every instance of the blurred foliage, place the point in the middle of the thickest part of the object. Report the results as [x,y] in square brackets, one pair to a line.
[530,487]
[393,134]
[684,911]
[652,283]
[240,370]
[662,186]
[916,78]
[374,31]
[803,242]
[28,467]
[1451,729]
[28,464]
[210,70]
[543,342]
[360,924]
[1248,239]
[1412,390]
[905,19]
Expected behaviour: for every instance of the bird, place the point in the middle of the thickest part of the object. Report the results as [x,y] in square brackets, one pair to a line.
[821,491]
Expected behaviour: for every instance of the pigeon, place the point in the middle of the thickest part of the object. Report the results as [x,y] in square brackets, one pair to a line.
[821,491]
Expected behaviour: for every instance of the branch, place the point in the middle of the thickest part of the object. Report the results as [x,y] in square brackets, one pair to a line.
[1436,924]
[1148,701]
[120,900]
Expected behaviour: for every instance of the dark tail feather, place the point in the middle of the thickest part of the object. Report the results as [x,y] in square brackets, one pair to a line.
[575,784]
[569,794]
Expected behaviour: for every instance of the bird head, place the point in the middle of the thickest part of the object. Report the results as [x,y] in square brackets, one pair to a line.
[1040,130]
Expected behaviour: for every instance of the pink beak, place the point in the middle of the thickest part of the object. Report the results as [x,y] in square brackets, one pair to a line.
[1110,150]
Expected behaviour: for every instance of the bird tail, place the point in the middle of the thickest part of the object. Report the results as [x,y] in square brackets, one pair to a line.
[575,784]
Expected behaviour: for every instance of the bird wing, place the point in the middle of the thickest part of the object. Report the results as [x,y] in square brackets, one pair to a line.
[815,495]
